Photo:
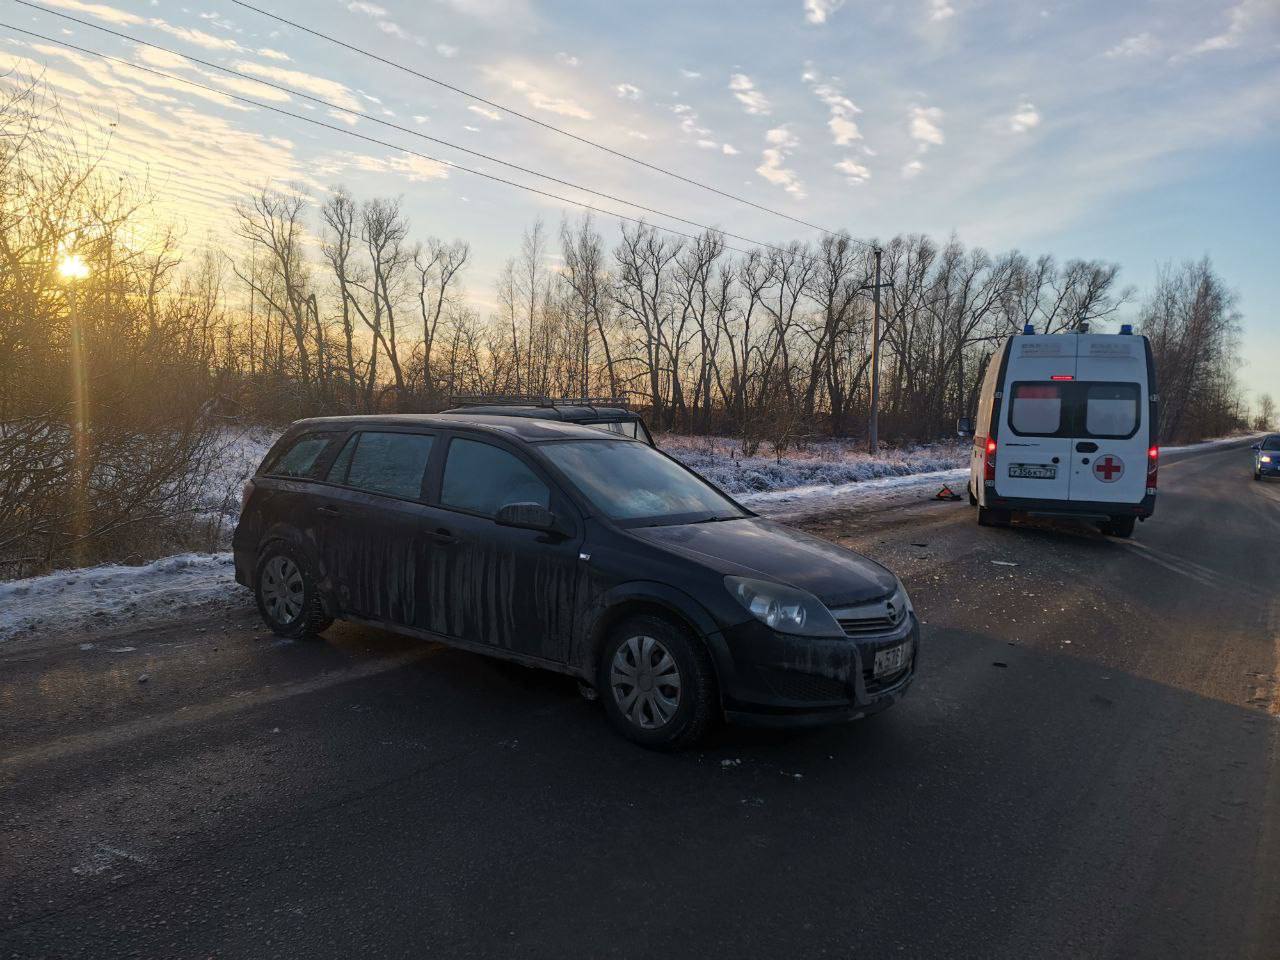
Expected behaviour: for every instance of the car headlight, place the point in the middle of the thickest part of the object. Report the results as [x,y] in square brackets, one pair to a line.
[784,609]
[1265,459]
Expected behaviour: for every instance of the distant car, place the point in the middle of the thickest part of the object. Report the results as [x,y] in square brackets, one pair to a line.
[1266,457]
[558,546]
[610,415]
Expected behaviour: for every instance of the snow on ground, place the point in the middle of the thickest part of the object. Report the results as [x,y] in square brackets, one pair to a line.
[830,464]
[92,598]
[236,455]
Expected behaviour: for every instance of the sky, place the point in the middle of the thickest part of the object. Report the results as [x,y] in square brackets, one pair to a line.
[1143,132]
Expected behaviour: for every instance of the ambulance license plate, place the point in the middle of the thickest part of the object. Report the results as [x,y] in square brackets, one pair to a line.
[1033,471]
[891,660]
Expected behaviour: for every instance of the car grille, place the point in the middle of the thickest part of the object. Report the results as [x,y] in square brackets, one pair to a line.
[869,626]
[808,687]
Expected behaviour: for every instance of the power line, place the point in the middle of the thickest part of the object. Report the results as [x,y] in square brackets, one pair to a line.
[524,116]
[396,126]
[361,136]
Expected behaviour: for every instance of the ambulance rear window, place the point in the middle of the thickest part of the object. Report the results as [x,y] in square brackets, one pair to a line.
[1111,409]
[1036,409]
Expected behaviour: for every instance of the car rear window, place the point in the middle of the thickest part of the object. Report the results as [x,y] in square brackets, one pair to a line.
[1036,408]
[483,478]
[390,463]
[301,458]
[1111,409]
[1075,409]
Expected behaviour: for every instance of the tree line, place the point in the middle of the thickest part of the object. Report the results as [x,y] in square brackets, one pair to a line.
[333,304]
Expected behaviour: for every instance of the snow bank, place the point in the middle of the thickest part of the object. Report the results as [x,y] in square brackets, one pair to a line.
[95,597]
[823,465]
[235,457]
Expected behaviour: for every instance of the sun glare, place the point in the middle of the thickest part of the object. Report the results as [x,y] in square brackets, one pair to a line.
[73,267]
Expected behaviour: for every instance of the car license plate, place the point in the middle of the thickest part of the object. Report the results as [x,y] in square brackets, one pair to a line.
[1033,471]
[891,660]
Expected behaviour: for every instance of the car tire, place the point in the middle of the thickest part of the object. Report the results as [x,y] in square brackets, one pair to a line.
[657,683]
[284,585]
[1257,474]
[1121,527]
[993,518]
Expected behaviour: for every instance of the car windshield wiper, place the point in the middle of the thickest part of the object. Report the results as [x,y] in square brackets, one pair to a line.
[714,519]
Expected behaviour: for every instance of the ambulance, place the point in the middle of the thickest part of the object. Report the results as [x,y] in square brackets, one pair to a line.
[1066,427]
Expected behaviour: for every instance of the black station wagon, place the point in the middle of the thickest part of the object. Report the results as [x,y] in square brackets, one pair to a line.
[558,546]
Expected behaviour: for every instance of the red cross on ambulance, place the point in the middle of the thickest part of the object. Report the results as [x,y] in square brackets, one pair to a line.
[1108,469]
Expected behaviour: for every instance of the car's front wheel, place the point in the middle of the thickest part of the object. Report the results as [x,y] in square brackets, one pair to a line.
[285,588]
[657,683]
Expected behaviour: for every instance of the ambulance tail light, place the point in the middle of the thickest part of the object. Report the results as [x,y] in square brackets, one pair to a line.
[1153,467]
[989,464]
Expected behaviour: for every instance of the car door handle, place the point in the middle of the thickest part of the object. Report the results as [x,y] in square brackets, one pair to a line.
[329,511]
[1084,446]
[441,535]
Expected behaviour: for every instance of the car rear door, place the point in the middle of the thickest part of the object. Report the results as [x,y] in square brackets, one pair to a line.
[507,587]
[376,528]
[1113,432]
[1033,444]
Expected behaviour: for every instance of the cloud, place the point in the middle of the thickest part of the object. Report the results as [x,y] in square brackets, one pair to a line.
[541,100]
[370,9]
[100,10]
[911,169]
[690,74]
[1024,118]
[729,150]
[1242,19]
[446,50]
[707,144]
[853,171]
[773,161]
[744,89]
[637,135]
[198,37]
[1139,45]
[321,87]
[272,54]
[381,21]
[940,10]
[485,112]
[924,127]
[567,60]
[817,11]
[627,91]
[842,110]
[415,169]
[689,120]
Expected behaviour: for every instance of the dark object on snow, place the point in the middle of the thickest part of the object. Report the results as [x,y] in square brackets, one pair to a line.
[559,546]
[946,493]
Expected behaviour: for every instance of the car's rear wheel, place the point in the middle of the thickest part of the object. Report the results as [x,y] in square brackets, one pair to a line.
[657,683]
[993,518]
[1119,527]
[288,600]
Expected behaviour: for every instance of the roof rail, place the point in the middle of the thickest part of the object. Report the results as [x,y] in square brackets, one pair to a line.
[531,400]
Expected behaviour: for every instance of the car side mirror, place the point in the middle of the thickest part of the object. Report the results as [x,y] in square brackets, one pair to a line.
[527,516]
[964,427]
[1256,446]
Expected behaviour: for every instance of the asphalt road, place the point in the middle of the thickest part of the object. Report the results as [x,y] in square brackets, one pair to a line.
[1088,766]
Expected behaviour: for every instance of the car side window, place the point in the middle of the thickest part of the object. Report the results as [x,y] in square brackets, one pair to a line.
[301,458]
[390,463]
[483,478]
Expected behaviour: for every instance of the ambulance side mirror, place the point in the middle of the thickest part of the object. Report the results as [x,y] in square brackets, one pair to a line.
[964,427]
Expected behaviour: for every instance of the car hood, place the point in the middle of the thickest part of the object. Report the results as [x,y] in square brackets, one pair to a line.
[755,547]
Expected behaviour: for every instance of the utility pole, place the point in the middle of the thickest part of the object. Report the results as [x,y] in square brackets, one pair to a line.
[873,426]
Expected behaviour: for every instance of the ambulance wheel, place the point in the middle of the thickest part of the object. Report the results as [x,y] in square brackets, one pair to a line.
[992,518]
[1119,527]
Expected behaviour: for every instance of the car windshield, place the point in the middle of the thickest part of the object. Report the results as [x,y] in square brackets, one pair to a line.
[1271,443]
[632,483]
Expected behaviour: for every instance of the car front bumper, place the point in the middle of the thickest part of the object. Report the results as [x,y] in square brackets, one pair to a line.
[778,680]
[1271,469]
